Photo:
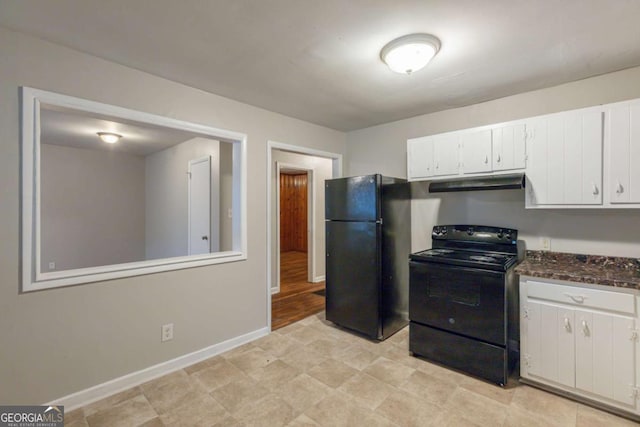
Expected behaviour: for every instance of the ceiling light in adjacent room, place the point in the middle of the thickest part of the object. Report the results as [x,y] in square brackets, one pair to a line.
[410,53]
[109,137]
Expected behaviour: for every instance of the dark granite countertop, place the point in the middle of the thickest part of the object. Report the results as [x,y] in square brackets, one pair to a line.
[599,270]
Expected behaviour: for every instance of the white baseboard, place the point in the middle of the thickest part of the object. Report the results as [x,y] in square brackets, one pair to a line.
[319,279]
[275,290]
[116,385]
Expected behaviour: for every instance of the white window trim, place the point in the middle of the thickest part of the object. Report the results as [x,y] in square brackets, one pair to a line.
[32,277]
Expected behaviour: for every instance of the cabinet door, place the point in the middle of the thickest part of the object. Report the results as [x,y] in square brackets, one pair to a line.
[476,151]
[624,140]
[445,154]
[565,159]
[549,347]
[537,164]
[508,144]
[605,355]
[420,157]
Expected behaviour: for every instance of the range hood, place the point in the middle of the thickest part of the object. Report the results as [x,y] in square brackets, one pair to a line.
[495,182]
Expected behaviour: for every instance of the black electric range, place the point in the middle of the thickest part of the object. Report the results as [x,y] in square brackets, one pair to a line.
[463,300]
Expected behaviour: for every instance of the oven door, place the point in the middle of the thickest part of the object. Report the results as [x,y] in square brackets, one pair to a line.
[466,301]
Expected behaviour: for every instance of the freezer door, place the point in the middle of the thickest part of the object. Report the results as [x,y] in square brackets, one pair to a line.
[353,199]
[353,276]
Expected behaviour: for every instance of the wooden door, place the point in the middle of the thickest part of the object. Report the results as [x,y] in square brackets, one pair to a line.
[293,212]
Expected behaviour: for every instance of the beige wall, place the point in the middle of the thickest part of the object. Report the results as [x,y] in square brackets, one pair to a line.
[92,207]
[323,170]
[59,341]
[612,232]
[167,197]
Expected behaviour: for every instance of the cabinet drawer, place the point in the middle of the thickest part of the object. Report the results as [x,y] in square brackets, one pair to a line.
[582,297]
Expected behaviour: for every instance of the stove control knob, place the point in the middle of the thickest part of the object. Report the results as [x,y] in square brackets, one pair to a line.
[500,234]
[444,230]
[470,231]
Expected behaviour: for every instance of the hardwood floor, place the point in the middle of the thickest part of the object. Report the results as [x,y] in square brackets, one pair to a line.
[297,298]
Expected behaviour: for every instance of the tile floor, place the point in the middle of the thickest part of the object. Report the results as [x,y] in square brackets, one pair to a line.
[311,373]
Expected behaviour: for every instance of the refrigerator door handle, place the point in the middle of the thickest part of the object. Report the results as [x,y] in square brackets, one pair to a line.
[379,221]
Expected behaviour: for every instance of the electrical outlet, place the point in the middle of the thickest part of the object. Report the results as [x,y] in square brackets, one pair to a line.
[52,265]
[545,243]
[167,332]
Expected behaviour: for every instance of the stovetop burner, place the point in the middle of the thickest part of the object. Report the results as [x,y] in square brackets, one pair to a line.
[473,246]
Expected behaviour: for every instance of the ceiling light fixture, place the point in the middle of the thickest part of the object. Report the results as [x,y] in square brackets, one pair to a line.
[109,137]
[410,53]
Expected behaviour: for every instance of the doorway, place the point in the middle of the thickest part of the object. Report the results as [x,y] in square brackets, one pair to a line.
[296,230]
[294,226]
[299,294]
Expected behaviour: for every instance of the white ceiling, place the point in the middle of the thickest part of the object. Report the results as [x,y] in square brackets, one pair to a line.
[72,128]
[319,60]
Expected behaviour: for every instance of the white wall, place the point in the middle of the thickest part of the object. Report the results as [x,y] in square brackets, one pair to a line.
[322,170]
[167,192]
[92,207]
[612,232]
[59,341]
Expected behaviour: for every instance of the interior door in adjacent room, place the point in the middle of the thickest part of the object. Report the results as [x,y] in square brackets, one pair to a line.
[293,211]
[200,206]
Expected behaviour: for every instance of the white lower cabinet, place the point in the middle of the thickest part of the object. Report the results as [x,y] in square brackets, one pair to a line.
[581,340]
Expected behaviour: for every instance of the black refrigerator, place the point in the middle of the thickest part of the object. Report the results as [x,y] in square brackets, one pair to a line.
[368,241]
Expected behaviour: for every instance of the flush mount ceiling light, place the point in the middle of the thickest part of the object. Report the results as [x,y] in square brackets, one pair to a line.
[410,53]
[109,137]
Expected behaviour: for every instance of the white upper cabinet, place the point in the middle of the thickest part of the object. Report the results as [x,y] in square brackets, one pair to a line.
[584,158]
[420,157]
[476,151]
[432,156]
[445,154]
[509,144]
[564,166]
[502,148]
[624,152]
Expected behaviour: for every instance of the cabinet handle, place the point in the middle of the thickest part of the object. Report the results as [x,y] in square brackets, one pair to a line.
[437,165]
[595,190]
[486,159]
[585,328]
[576,298]
[567,325]
[619,188]
[498,158]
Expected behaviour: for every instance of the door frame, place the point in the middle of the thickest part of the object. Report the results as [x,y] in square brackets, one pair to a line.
[336,160]
[311,221]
